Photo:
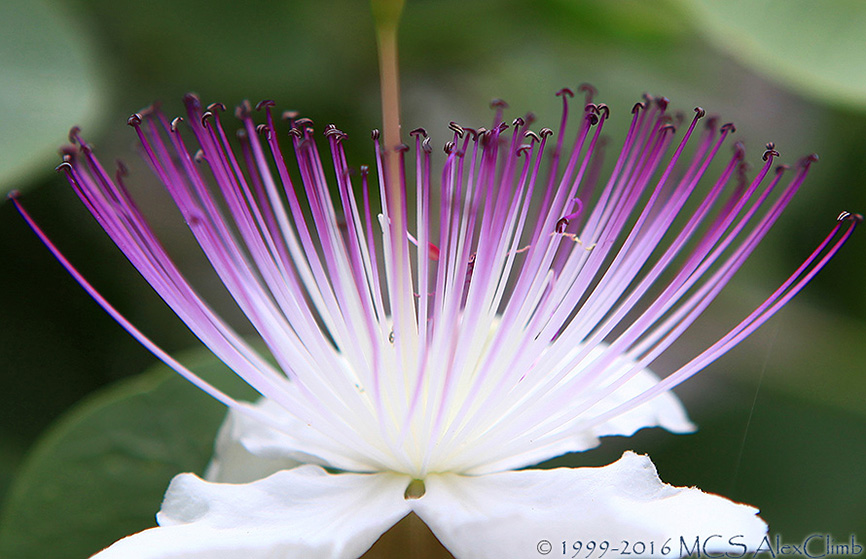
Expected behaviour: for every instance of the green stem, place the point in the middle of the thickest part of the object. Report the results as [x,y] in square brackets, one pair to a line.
[387,16]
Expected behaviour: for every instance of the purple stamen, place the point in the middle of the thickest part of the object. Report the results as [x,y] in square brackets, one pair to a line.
[499,319]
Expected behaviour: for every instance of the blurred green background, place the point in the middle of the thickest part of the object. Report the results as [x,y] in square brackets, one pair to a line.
[782,418]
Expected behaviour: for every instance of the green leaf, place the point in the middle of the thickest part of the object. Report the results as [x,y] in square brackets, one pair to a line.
[809,353]
[100,473]
[814,47]
[800,462]
[48,82]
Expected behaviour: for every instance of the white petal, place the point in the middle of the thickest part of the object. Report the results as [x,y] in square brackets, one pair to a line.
[305,513]
[247,450]
[665,410]
[531,454]
[513,514]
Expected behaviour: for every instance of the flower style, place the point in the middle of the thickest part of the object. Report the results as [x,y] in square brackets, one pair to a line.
[419,370]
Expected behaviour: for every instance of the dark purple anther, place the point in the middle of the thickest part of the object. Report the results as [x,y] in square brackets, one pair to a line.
[265,103]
